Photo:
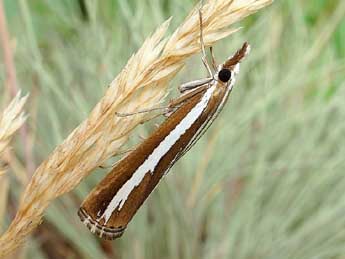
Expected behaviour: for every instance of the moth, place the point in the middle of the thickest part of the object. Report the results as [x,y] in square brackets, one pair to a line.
[111,205]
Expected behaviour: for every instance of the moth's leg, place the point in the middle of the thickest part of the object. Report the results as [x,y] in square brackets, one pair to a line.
[142,138]
[214,63]
[195,87]
[120,114]
[113,164]
[115,155]
[194,84]
[178,101]
[204,56]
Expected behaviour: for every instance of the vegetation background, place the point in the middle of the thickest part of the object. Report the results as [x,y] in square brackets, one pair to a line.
[266,181]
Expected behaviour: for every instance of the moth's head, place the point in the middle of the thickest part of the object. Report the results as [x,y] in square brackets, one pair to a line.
[231,67]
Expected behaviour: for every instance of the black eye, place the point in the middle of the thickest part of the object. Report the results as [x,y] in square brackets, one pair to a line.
[224,75]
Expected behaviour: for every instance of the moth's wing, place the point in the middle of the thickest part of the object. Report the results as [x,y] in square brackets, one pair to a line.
[98,211]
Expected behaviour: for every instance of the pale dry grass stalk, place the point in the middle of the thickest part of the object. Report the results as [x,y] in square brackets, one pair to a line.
[141,84]
[10,121]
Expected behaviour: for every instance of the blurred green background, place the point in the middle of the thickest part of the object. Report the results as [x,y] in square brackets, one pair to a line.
[266,181]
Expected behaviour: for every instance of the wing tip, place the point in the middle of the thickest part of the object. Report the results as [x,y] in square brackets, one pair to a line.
[102,231]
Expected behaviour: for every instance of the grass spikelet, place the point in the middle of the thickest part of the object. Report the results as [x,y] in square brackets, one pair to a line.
[141,84]
[11,120]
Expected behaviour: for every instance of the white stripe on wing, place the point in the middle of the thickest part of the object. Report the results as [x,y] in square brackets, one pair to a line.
[158,153]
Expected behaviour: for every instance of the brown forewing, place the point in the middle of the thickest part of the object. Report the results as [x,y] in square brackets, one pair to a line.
[99,198]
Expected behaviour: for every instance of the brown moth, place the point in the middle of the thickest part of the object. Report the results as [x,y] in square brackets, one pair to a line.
[111,205]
